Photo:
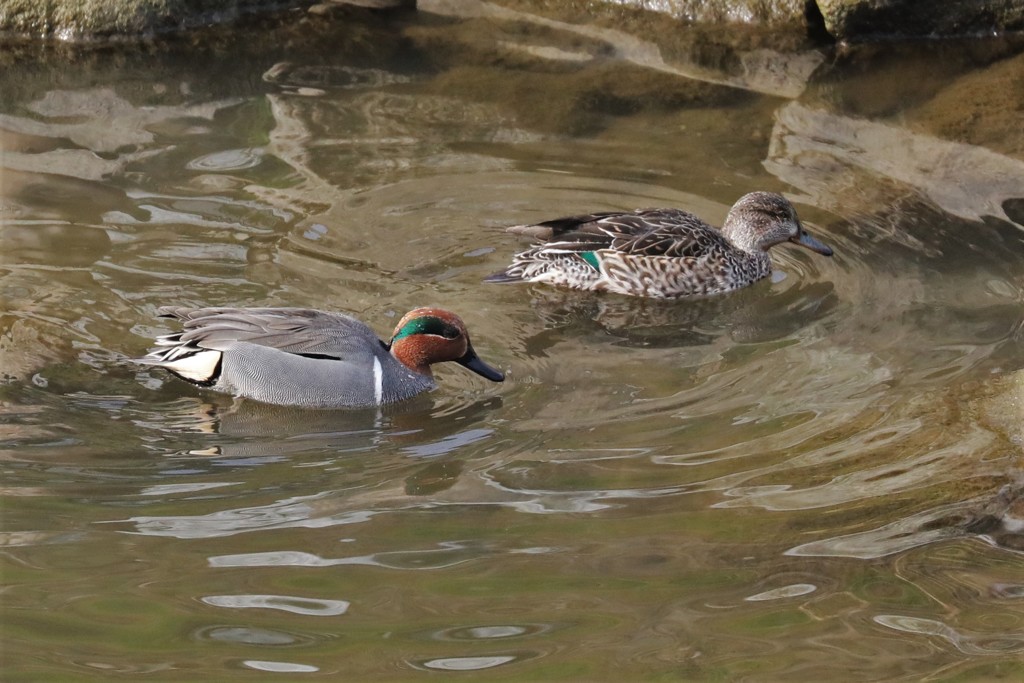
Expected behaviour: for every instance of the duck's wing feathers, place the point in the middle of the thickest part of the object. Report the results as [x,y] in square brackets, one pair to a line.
[644,232]
[292,330]
[558,228]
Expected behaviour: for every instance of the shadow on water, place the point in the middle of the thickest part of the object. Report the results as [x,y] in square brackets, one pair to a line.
[753,315]
[247,429]
[815,476]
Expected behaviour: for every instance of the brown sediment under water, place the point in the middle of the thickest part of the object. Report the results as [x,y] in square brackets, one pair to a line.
[815,477]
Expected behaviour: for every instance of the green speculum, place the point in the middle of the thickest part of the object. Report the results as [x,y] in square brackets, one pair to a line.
[591,258]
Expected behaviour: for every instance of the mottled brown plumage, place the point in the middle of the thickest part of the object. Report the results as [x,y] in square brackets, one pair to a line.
[660,253]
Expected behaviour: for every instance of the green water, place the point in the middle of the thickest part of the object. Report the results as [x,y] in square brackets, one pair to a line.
[814,478]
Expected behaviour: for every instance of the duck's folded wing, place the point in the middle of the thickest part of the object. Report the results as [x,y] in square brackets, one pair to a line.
[293,330]
[667,232]
[562,228]
[644,232]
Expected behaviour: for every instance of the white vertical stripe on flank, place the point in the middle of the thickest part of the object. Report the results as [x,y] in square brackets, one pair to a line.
[378,380]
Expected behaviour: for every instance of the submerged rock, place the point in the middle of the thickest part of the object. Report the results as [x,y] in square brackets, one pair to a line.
[983,108]
[557,41]
[833,158]
[1004,411]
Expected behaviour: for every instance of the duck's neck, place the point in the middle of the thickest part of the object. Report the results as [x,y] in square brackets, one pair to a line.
[743,236]
[413,355]
[756,263]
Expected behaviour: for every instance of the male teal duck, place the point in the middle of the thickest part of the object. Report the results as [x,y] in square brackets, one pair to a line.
[660,253]
[302,357]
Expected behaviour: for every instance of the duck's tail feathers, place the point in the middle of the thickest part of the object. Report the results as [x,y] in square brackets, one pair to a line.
[504,277]
[540,231]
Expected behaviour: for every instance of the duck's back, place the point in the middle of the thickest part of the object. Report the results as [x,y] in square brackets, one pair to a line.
[648,232]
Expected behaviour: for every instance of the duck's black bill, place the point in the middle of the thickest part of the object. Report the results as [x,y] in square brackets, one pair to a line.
[805,240]
[471,361]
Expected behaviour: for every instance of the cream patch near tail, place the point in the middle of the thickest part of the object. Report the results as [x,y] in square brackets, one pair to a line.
[198,367]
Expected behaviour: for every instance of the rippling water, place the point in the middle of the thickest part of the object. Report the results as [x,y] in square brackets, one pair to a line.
[816,476]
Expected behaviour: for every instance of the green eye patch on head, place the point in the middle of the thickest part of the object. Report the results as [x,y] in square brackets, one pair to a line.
[428,324]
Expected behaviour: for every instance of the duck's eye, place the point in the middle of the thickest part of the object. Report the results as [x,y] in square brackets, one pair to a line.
[449,332]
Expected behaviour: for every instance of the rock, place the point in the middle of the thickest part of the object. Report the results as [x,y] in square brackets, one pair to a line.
[843,19]
[77,20]
[763,12]
[83,20]
[853,19]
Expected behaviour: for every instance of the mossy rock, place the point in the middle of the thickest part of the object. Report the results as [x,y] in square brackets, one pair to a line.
[853,19]
[94,19]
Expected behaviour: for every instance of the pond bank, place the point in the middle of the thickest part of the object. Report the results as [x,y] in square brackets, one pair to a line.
[843,20]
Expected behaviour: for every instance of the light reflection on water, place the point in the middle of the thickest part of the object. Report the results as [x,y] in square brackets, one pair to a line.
[280,667]
[467,663]
[968,643]
[816,475]
[305,606]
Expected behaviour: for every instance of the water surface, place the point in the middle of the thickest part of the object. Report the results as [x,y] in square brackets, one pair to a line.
[818,476]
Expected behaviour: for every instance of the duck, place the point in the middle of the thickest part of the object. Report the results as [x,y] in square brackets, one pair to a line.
[660,253]
[309,358]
